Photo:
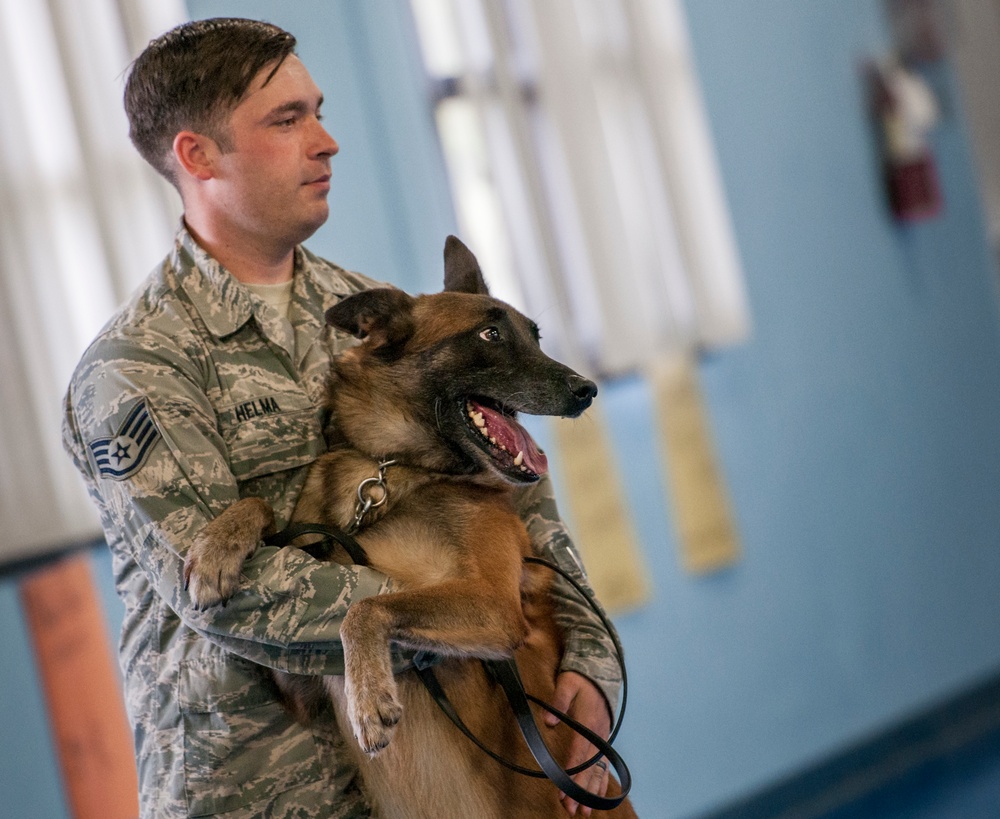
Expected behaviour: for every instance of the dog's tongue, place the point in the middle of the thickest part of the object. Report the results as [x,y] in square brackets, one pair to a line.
[515,438]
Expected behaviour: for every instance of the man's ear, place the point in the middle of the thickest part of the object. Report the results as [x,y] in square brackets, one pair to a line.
[382,317]
[461,270]
[195,154]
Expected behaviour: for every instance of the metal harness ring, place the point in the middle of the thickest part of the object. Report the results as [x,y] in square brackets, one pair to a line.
[365,501]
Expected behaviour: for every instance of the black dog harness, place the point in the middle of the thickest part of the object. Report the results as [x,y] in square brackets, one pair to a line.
[505,673]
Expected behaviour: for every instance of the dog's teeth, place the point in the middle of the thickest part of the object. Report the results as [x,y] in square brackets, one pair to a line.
[484,432]
[493,441]
[477,419]
[519,459]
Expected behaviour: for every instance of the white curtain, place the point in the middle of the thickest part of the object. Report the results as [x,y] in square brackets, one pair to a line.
[584,172]
[82,220]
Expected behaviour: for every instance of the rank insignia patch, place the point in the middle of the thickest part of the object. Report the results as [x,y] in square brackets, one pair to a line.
[121,456]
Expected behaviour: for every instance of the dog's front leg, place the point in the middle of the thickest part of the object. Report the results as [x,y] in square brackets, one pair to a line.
[369,686]
[214,561]
[449,619]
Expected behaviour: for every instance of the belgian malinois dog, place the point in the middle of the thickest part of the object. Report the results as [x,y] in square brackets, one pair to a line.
[433,387]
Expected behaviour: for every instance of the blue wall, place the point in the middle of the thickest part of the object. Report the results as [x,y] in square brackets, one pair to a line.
[859,429]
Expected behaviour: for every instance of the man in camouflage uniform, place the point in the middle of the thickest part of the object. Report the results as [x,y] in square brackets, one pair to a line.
[206,388]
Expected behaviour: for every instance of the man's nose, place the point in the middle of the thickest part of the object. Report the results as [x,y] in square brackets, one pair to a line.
[325,144]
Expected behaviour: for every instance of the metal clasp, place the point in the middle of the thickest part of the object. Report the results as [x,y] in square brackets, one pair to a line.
[367,491]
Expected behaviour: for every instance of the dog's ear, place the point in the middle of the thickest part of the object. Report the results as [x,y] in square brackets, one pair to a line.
[461,270]
[382,317]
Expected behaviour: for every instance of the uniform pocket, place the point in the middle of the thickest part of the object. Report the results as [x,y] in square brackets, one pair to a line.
[240,744]
[272,434]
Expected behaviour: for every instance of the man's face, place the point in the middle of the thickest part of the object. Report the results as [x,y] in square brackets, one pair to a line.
[273,182]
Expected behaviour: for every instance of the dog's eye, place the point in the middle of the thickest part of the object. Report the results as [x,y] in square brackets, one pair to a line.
[490,334]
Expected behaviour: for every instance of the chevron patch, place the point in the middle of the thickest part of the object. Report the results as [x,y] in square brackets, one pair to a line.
[122,455]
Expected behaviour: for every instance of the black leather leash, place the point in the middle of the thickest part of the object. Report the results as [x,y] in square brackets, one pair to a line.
[507,676]
[322,549]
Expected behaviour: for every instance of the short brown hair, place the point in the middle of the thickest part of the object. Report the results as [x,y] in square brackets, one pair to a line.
[192,77]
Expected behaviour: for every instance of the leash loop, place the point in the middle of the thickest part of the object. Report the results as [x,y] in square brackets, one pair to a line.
[505,673]
[510,681]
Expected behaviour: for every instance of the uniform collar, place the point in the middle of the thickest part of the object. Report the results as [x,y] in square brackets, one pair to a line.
[222,302]
[225,304]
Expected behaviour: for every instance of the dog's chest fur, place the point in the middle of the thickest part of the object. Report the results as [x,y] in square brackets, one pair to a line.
[430,528]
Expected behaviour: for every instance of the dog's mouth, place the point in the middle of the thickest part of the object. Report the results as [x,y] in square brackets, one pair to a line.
[497,432]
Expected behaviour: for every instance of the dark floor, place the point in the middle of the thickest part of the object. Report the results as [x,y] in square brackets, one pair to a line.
[941,763]
[965,785]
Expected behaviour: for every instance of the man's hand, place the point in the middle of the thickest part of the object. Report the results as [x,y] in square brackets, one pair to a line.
[578,697]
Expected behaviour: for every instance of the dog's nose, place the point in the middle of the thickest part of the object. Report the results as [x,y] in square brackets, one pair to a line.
[584,390]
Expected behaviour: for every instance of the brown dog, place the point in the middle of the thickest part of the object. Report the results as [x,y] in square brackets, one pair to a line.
[433,387]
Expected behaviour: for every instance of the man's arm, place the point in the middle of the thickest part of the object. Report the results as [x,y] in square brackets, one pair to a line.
[288,611]
[589,649]
[589,681]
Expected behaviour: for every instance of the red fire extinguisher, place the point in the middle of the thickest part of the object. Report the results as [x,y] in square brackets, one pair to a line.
[906,111]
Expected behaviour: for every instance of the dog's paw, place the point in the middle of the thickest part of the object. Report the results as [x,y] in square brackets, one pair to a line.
[374,713]
[211,575]
[214,561]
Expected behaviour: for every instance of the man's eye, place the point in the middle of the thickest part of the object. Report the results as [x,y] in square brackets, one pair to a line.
[490,334]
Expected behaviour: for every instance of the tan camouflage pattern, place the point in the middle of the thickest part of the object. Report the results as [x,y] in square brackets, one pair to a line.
[235,391]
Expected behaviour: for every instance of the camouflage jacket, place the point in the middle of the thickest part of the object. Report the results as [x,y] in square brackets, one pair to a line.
[194,395]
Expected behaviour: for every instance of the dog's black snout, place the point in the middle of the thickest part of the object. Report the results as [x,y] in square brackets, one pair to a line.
[584,390]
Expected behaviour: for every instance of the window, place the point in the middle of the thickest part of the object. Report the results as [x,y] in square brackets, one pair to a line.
[81,221]
[583,172]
